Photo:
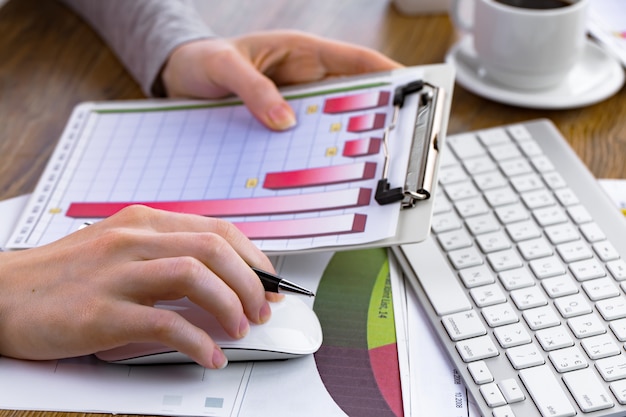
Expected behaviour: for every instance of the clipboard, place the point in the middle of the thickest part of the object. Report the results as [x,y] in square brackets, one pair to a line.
[357,171]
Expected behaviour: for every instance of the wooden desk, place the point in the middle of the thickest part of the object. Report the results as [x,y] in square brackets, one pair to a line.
[50,61]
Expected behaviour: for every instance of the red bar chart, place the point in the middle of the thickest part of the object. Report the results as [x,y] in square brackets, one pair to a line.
[361,147]
[334,174]
[298,203]
[362,101]
[366,122]
[303,228]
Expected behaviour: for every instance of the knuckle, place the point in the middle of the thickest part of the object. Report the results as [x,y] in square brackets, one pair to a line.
[185,269]
[164,324]
[136,213]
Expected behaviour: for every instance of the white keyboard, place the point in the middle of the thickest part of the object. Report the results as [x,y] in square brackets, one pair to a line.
[524,275]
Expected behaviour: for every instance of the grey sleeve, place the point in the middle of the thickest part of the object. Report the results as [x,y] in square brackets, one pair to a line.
[143,33]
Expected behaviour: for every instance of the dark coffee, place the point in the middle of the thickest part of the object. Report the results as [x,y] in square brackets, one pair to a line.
[536,4]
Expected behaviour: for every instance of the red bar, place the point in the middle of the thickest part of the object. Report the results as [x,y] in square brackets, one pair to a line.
[291,204]
[366,122]
[356,102]
[320,176]
[362,147]
[302,228]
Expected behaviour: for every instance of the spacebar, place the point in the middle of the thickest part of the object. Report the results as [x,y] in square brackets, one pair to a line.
[440,284]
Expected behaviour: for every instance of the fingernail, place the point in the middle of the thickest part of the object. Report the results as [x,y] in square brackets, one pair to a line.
[265,313]
[244,327]
[281,117]
[219,360]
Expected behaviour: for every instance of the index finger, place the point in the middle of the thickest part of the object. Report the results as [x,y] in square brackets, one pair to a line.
[161,221]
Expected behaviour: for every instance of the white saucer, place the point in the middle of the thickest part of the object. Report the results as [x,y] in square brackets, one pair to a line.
[597,76]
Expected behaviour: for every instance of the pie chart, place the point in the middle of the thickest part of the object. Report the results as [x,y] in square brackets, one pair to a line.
[358,361]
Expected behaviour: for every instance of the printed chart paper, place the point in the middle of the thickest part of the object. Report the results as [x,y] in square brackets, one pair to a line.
[309,187]
[355,373]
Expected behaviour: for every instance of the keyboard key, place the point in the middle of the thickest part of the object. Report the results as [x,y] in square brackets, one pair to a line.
[529,182]
[530,297]
[471,207]
[487,295]
[441,287]
[445,222]
[601,288]
[480,372]
[492,395]
[466,146]
[573,305]
[592,232]
[612,308]
[500,314]
[586,326]
[602,346]
[587,390]
[547,267]
[554,338]
[458,191]
[503,411]
[617,269]
[559,286]
[549,215]
[619,390]
[523,231]
[618,327]
[492,242]
[475,276]
[482,224]
[477,348]
[504,260]
[479,165]
[587,269]
[463,325]
[574,251]
[568,359]
[546,392]
[490,180]
[538,199]
[501,197]
[516,166]
[541,317]
[512,335]
[562,233]
[612,368]
[579,214]
[535,248]
[605,251]
[464,258]
[493,137]
[455,239]
[512,213]
[542,163]
[516,278]
[511,390]
[525,356]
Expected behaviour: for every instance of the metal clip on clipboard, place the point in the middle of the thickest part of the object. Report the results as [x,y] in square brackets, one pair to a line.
[424,150]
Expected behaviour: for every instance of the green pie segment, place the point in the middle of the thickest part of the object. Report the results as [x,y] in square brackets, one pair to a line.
[358,360]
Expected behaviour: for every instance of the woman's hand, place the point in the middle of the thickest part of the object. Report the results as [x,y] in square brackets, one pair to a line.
[95,289]
[251,66]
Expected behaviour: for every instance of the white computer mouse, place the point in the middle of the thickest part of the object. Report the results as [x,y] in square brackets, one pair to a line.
[293,330]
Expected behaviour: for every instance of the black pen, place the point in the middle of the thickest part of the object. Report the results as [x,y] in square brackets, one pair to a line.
[274,283]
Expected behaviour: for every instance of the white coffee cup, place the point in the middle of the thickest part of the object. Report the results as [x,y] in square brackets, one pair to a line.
[524,47]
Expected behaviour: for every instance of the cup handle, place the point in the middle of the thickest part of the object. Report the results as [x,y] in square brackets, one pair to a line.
[456,15]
